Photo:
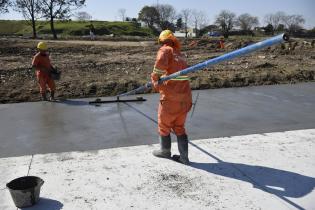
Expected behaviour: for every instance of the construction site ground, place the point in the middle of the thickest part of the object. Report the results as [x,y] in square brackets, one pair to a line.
[106,68]
[250,148]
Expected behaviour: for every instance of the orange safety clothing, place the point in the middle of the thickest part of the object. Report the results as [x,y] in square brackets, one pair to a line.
[42,64]
[175,94]
[221,44]
[172,116]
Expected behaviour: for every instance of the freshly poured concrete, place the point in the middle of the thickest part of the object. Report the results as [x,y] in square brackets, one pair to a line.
[73,125]
[261,171]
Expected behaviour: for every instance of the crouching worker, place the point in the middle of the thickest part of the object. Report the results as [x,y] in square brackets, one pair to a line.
[175,97]
[41,64]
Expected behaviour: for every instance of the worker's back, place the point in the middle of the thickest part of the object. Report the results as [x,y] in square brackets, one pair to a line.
[171,60]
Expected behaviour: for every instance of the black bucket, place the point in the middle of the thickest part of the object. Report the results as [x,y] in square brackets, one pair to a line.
[25,190]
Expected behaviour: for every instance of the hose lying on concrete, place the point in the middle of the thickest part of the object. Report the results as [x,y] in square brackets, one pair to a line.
[231,55]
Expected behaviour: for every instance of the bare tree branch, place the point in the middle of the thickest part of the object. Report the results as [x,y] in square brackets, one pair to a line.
[186,15]
[199,19]
[4,4]
[122,14]
[59,9]
[246,22]
[83,16]
[225,20]
[167,16]
[30,10]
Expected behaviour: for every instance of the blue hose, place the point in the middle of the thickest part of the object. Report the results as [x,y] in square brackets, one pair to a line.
[229,56]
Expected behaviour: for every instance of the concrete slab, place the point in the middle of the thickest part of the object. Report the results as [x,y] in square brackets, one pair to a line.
[73,125]
[249,110]
[43,127]
[262,171]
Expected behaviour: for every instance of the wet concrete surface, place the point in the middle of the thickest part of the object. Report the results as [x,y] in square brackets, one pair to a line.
[73,125]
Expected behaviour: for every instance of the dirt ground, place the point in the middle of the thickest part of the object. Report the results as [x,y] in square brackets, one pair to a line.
[104,68]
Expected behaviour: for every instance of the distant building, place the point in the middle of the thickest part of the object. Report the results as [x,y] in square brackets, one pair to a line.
[181,33]
[259,29]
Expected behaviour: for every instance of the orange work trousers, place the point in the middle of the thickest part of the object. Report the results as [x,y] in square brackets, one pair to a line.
[172,116]
[45,80]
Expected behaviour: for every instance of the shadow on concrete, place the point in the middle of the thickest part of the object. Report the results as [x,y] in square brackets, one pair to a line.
[275,181]
[47,204]
[278,182]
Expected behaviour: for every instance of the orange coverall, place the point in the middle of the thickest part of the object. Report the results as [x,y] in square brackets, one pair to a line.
[221,44]
[175,94]
[43,77]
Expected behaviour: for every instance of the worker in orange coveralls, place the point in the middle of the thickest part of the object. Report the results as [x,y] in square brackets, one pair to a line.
[175,97]
[41,63]
[221,43]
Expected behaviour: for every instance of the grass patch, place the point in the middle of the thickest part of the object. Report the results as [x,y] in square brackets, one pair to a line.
[74,28]
[9,27]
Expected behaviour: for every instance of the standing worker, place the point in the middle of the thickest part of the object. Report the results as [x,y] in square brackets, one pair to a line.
[42,65]
[221,43]
[92,32]
[175,97]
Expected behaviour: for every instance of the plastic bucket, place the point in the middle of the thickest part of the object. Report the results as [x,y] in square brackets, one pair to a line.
[25,190]
[56,75]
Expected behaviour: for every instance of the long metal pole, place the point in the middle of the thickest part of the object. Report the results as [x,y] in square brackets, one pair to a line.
[237,53]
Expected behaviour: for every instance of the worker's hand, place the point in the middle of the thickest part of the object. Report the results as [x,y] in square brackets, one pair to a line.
[148,85]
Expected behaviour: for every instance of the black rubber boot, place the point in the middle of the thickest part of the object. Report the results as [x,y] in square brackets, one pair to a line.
[44,98]
[52,96]
[182,142]
[165,151]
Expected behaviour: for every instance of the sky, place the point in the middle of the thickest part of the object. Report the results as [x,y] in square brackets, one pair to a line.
[108,10]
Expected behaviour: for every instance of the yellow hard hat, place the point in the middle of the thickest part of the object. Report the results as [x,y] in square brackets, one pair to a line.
[42,46]
[164,35]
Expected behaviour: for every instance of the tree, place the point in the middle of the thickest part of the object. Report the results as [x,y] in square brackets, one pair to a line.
[122,14]
[269,29]
[30,10]
[167,15]
[281,27]
[134,20]
[186,15]
[83,16]
[179,23]
[246,22]
[199,19]
[294,22]
[4,4]
[168,25]
[59,9]
[149,15]
[226,21]
[275,19]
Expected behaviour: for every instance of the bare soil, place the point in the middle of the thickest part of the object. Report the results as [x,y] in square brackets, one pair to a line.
[107,68]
